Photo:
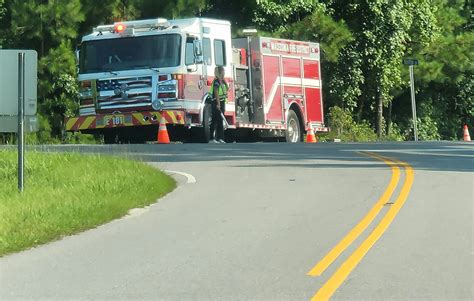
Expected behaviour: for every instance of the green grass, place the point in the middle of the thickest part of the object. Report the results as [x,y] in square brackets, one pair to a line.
[68,193]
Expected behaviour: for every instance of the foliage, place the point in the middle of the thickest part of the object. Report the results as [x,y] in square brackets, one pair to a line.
[427,129]
[239,12]
[49,27]
[109,11]
[171,9]
[345,128]
[384,31]
[445,74]
[80,138]
[275,15]
[44,133]
[7,138]
[59,95]
[2,13]
[395,134]
[68,193]
[43,25]
[319,26]
[185,8]
[362,45]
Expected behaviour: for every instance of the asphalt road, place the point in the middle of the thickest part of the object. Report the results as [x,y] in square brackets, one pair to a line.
[271,221]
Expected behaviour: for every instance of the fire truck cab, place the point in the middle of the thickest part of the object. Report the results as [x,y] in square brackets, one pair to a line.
[132,74]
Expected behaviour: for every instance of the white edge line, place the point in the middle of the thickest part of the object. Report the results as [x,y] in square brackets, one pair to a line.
[191,178]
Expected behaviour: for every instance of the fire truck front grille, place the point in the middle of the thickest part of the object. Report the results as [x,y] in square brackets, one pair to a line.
[124,94]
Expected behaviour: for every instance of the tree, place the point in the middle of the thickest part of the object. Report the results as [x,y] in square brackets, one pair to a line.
[108,11]
[58,86]
[278,15]
[384,32]
[238,12]
[445,76]
[172,9]
[42,25]
[370,40]
[2,9]
[333,36]
[2,14]
[362,44]
[49,27]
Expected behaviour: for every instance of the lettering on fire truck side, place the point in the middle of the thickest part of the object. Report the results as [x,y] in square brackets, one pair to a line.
[289,47]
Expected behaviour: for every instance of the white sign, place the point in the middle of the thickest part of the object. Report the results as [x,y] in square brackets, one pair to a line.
[9,88]
[9,82]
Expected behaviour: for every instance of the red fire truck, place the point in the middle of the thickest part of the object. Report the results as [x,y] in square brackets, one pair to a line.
[131,74]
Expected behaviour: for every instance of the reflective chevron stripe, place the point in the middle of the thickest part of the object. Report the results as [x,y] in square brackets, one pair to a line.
[122,120]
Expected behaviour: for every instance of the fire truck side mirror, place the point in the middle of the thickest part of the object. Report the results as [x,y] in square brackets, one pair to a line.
[78,52]
[198,57]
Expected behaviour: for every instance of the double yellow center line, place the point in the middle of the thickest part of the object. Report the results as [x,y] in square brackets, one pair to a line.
[328,289]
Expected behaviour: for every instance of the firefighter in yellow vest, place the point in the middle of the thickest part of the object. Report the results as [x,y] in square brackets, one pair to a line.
[218,91]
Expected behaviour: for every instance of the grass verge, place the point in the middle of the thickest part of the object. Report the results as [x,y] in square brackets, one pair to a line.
[68,193]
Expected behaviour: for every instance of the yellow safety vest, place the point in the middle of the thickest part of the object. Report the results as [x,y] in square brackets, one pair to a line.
[222,91]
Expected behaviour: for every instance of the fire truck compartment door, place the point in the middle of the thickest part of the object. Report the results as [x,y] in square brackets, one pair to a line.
[312,90]
[273,105]
[292,82]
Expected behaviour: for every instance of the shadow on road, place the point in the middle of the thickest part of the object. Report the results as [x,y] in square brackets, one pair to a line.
[431,156]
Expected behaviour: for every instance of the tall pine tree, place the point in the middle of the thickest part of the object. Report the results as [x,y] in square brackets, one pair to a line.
[50,27]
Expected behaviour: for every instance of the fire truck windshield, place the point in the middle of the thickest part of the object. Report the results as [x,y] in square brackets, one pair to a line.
[155,51]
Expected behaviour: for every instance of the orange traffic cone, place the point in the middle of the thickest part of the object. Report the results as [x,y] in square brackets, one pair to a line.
[163,137]
[310,137]
[467,138]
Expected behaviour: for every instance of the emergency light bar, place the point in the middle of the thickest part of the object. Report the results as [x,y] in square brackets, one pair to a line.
[140,24]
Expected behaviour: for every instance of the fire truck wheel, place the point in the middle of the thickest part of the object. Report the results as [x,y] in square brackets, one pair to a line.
[293,131]
[205,132]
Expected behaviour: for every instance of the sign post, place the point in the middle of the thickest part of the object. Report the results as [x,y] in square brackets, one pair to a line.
[411,63]
[21,119]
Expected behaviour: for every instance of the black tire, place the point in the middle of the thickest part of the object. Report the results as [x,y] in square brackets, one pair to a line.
[204,133]
[293,133]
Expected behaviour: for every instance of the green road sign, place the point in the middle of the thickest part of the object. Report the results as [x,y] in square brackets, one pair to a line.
[410,62]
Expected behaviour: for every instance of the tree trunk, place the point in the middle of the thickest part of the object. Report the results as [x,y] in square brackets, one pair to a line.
[389,118]
[379,113]
[42,34]
[360,109]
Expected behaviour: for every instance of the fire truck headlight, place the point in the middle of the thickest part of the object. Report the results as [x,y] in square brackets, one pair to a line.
[157,104]
[87,93]
[166,88]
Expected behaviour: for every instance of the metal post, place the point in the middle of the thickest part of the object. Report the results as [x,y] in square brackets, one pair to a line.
[413,103]
[21,119]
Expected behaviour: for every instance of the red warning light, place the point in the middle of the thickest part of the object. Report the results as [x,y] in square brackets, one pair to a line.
[120,27]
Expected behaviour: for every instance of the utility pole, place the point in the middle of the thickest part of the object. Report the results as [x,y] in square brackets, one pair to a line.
[411,63]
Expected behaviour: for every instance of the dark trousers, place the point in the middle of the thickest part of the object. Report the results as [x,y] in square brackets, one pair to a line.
[217,122]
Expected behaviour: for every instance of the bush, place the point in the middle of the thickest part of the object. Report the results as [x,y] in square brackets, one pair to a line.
[427,129]
[79,138]
[395,133]
[43,135]
[345,128]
